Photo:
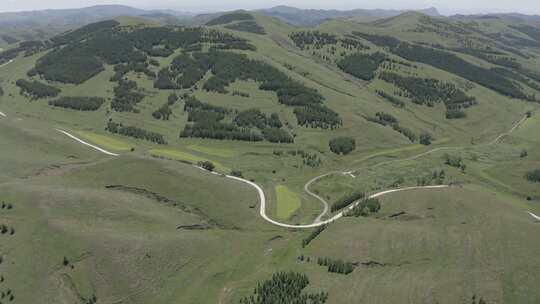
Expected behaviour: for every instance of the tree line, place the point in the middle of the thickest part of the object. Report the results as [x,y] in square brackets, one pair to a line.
[247,125]
[362,66]
[429,91]
[448,62]
[227,67]
[284,287]
[126,96]
[79,103]
[79,55]
[135,132]
[164,112]
[228,18]
[346,200]
[365,208]
[313,235]
[387,119]
[247,26]
[336,266]
[36,89]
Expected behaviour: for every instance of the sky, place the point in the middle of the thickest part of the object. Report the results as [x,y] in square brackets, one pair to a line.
[446,7]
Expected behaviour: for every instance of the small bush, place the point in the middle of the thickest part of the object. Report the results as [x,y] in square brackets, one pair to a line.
[236,173]
[533,176]
[346,201]
[425,139]
[207,165]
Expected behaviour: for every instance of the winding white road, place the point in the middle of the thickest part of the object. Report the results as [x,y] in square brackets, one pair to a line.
[262,197]
[318,222]
[86,143]
[414,157]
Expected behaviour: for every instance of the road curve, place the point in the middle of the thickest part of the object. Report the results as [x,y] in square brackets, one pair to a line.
[321,199]
[414,157]
[262,208]
[262,197]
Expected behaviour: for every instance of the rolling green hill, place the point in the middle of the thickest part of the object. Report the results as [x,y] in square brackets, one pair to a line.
[314,116]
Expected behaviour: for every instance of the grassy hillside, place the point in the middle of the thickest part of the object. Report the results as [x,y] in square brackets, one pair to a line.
[262,99]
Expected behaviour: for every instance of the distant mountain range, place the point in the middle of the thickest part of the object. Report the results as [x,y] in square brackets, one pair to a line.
[75,17]
[311,17]
[43,24]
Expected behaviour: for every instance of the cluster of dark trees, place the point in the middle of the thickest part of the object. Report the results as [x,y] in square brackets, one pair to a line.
[362,66]
[247,26]
[529,30]
[255,118]
[316,38]
[9,39]
[206,122]
[425,139]
[71,64]
[126,96]
[346,200]
[78,103]
[454,161]
[277,135]
[451,63]
[7,206]
[531,80]
[311,159]
[27,48]
[351,43]
[386,119]
[378,40]
[436,176]
[36,89]
[317,116]
[4,229]
[135,132]
[228,18]
[284,287]
[8,294]
[313,235]
[227,67]
[430,91]
[342,145]
[270,126]
[164,112]
[336,266]
[79,55]
[365,208]
[184,72]
[308,159]
[533,176]
[392,99]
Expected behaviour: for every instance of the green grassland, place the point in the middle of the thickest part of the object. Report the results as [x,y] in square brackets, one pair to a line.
[287,202]
[116,219]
